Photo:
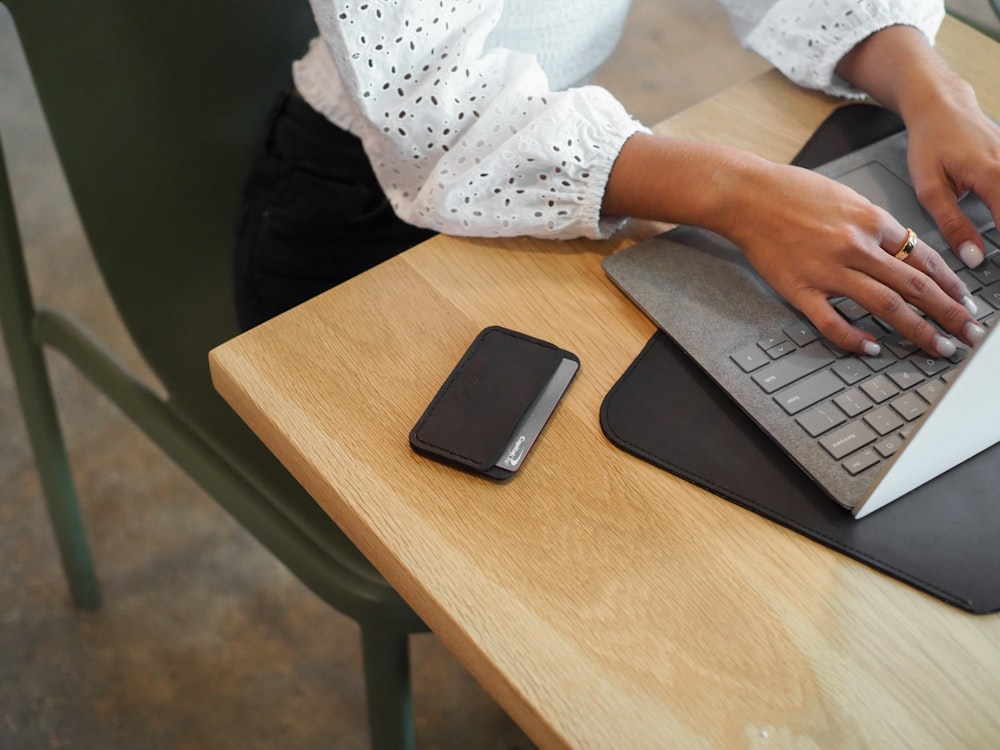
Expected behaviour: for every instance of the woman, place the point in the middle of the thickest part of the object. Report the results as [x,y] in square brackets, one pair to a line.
[416,116]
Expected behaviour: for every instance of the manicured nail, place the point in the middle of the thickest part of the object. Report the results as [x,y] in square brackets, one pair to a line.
[974,333]
[971,255]
[944,347]
[969,304]
[871,348]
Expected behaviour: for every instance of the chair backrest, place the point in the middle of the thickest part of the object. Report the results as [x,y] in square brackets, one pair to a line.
[154,109]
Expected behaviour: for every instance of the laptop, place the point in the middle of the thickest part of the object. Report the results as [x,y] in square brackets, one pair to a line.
[867,430]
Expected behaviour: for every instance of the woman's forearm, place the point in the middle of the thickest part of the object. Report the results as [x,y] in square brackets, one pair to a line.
[682,182]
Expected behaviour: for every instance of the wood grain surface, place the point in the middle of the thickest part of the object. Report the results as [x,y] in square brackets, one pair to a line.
[602,601]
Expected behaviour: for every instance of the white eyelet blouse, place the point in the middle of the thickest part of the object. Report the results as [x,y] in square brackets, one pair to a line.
[474,115]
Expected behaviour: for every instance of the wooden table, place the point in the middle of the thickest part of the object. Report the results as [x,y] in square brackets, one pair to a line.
[603,602]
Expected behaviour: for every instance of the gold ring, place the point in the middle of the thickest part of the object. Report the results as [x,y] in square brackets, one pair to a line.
[907,247]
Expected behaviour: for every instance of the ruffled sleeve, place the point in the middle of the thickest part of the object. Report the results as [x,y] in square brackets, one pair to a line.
[465,138]
[806,39]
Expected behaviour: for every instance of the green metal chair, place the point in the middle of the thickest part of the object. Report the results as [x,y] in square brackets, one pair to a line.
[155,109]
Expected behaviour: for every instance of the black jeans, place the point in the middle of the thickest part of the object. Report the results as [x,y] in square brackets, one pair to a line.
[312,216]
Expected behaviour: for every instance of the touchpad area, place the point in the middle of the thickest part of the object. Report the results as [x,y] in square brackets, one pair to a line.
[885,189]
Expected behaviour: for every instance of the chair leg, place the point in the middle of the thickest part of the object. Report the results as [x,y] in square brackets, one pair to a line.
[387,681]
[17,316]
[57,480]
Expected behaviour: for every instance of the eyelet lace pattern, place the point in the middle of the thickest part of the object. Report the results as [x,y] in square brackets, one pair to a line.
[805,39]
[468,110]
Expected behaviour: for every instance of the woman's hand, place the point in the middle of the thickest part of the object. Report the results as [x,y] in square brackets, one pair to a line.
[954,147]
[811,238]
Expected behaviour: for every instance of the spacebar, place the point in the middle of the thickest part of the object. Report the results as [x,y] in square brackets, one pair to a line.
[809,391]
[793,366]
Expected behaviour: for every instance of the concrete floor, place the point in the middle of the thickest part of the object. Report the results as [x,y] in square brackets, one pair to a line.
[204,640]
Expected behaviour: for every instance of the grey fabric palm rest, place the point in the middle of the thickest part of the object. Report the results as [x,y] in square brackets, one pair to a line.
[941,539]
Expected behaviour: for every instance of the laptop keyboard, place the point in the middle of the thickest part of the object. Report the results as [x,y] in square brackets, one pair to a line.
[860,408]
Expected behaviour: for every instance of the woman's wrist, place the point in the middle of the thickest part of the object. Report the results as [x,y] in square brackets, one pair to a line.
[898,67]
[683,182]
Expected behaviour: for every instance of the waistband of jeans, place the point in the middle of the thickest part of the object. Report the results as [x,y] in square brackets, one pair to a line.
[299,131]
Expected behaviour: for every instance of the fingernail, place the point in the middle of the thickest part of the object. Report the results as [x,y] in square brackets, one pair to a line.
[871,348]
[971,255]
[969,304]
[974,333]
[944,347]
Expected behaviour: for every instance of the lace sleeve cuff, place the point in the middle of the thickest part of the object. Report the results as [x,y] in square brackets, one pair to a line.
[806,41]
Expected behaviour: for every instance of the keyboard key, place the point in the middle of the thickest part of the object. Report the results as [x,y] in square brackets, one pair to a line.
[960,354]
[900,346]
[993,236]
[931,391]
[952,261]
[749,358]
[780,350]
[835,350]
[795,366]
[820,419]
[888,446]
[809,391]
[860,461]
[991,294]
[969,280]
[883,360]
[905,375]
[930,366]
[987,273]
[850,370]
[983,308]
[770,341]
[847,439]
[880,389]
[909,406]
[870,325]
[853,403]
[801,333]
[850,309]
[883,420]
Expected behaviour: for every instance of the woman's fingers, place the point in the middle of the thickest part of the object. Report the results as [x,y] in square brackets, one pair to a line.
[952,151]
[927,283]
[926,259]
[906,284]
[828,241]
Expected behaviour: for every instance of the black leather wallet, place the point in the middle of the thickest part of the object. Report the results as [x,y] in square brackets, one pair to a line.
[493,405]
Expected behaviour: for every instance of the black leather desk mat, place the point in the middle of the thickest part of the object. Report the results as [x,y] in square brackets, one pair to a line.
[943,538]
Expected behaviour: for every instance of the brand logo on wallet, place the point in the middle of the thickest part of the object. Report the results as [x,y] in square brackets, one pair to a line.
[516,453]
